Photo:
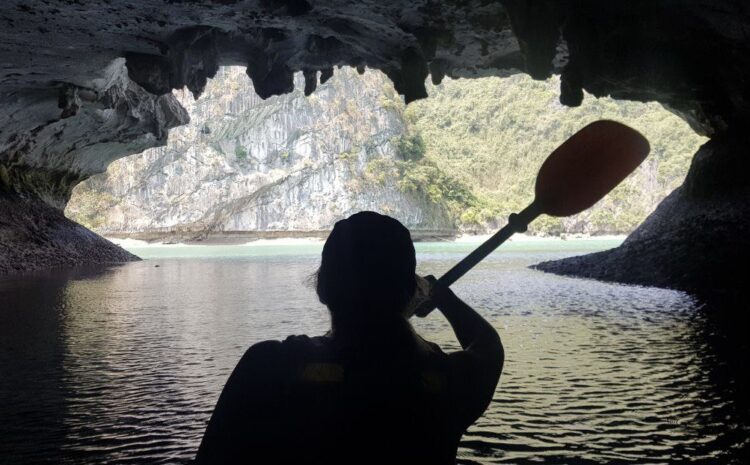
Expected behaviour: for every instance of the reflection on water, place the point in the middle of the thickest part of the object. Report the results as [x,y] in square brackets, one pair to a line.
[124,364]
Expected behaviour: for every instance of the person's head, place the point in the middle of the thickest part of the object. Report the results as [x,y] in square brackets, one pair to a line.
[367,269]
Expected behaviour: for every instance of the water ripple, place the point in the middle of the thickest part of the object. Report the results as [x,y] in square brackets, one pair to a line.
[125,365]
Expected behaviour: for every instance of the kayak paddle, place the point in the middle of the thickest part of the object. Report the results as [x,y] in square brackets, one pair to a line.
[579,173]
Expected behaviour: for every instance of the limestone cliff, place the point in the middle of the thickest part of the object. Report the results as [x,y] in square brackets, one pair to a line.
[245,164]
[296,164]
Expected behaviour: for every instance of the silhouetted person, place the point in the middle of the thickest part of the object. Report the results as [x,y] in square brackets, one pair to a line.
[369,391]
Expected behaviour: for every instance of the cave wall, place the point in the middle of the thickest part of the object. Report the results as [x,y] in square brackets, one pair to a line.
[36,236]
[83,83]
[51,139]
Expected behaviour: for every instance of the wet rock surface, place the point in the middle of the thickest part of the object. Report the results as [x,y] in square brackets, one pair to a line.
[697,240]
[35,236]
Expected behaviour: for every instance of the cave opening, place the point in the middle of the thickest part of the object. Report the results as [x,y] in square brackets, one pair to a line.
[458,162]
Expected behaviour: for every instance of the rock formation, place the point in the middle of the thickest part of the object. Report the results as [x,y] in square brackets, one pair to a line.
[690,55]
[36,236]
[50,144]
[291,165]
[246,165]
[52,139]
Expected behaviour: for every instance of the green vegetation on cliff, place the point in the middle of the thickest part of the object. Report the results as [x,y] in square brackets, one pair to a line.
[477,145]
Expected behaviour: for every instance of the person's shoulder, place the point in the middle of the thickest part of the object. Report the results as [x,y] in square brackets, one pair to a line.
[274,351]
[260,354]
[267,360]
[302,340]
[263,348]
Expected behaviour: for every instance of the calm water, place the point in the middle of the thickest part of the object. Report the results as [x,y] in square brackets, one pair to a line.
[124,364]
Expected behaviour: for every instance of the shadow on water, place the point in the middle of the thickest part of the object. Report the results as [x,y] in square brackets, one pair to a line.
[34,385]
[721,337]
[124,364]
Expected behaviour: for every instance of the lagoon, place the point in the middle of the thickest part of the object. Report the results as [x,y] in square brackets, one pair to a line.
[124,363]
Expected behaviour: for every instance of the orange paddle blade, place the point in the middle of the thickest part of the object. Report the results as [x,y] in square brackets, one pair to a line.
[587,166]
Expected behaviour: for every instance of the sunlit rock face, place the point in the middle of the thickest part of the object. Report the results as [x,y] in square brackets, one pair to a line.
[288,163]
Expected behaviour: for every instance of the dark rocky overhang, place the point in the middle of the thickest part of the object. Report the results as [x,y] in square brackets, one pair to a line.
[691,55]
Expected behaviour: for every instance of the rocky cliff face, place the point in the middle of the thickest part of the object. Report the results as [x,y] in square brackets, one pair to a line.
[296,164]
[37,236]
[48,145]
[244,164]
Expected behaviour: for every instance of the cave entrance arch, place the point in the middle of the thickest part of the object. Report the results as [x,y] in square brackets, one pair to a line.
[457,162]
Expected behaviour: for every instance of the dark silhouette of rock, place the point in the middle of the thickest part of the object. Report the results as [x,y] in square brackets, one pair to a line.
[35,236]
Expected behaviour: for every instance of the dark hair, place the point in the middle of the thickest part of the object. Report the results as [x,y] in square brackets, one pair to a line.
[367,269]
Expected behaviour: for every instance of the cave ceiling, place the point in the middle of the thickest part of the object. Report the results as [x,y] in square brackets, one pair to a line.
[691,55]
[83,83]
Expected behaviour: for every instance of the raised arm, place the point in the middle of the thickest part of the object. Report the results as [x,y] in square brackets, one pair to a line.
[478,366]
[473,332]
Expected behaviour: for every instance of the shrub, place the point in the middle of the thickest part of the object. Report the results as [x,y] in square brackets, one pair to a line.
[410,147]
[240,152]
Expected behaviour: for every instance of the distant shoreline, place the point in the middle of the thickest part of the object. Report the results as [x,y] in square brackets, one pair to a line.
[245,237]
[532,238]
[143,239]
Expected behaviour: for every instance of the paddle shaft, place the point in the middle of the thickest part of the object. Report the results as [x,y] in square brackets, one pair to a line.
[517,222]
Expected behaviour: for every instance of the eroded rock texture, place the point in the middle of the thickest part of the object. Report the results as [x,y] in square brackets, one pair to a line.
[691,55]
[51,139]
[261,167]
[36,236]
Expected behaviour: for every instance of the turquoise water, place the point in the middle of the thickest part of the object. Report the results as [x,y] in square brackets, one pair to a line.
[268,249]
[124,364]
